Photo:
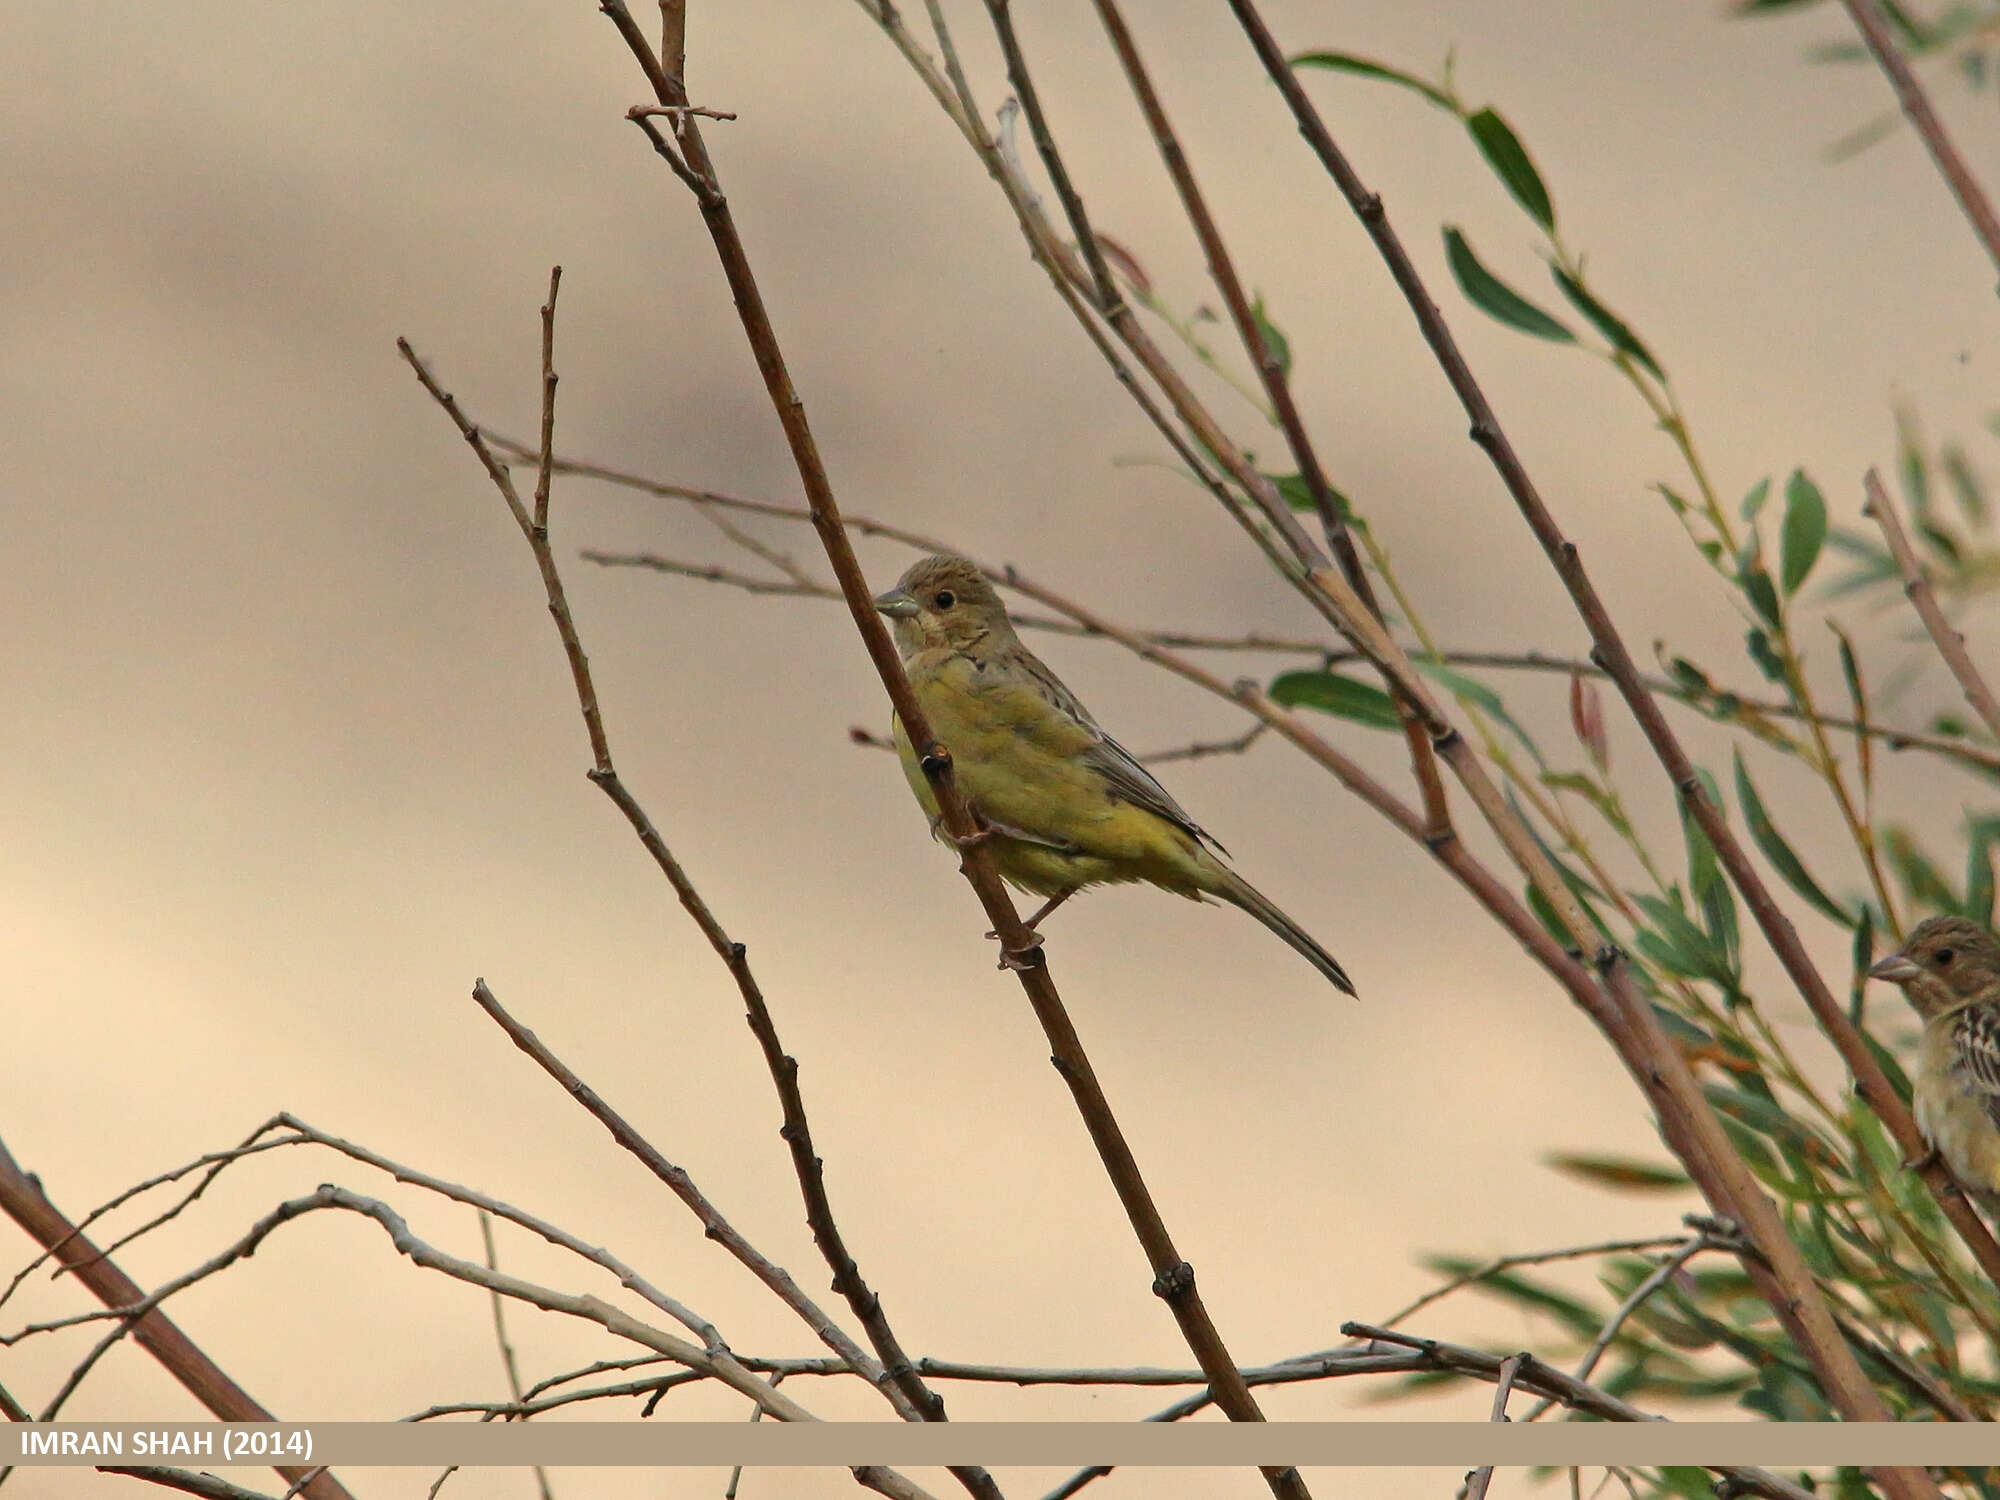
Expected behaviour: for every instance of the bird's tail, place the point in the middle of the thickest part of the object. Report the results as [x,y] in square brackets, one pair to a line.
[1237,891]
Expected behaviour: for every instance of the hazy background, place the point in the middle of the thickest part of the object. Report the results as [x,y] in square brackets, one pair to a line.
[292,755]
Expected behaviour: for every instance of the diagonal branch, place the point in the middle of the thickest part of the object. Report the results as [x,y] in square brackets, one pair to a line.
[903,1388]
[1949,642]
[1869,21]
[1799,1302]
[1174,1278]
[22,1198]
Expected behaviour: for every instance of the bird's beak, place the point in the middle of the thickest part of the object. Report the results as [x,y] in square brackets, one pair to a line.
[1895,968]
[896,604]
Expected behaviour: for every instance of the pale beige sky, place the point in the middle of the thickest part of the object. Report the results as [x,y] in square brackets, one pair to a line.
[293,756]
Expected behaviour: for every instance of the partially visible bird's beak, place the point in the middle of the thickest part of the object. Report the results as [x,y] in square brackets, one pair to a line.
[1895,968]
[897,604]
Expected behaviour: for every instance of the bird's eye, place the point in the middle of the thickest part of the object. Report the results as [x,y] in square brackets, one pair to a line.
[1944,958]
[946,599]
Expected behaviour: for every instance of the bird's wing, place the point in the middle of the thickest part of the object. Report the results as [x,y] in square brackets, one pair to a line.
[1975,1048]
[1108,758]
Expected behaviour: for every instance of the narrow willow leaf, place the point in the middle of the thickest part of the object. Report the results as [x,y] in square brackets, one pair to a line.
[1965,484]
[1915,467]
[1274,338]
[1460,686]
[1677,943]
[1619,1173]
[1784,859]
[1768,661]
[1754,501]
[1758,589]
[1978,903]
[1864,959]
[1494,297]
[1362,67]
[1922,879]
[1891,1068]
[1331,693]
[1506,155]
[1608,323]
[1295,492]
[1804,530]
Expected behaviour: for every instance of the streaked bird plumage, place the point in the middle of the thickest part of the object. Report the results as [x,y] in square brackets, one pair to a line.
[1066,805]
[1949,970]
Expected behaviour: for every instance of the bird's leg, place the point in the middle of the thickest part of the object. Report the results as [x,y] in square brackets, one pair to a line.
[1044,909]
[1923,1162]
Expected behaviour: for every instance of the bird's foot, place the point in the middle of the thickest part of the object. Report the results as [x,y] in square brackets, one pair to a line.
[1028,957]
[1922,1163]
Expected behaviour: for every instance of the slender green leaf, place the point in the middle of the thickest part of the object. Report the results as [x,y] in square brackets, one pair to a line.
[1754,501]
[1915,467]
[1274,339]
[1804,530]
[1494,297]
[1864,959]
[1978,903]
[1784,859]
[1921,878]
[1331,693]
[1362,67]
[1619,1173]
[1506,155]
[1474,691]
[1768,661]
[1763,596]
[1295,492]
[1965,484]
[1608,323]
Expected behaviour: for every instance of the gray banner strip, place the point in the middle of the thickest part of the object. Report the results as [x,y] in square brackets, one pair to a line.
[1140,1444]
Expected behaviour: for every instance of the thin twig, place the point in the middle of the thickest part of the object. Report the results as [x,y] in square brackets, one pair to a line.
[1277,387]
[1721,704]
[507,1362]
[22,1198]
[1476,1483]
[1949,642]
[717,1227]
[1978,208]
[896,1387]
[1530,1258]
[1658,1277]
[187,1481]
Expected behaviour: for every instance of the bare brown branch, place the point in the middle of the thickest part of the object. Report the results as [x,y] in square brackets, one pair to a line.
[1949,642]
[1972,199]
[25,1203]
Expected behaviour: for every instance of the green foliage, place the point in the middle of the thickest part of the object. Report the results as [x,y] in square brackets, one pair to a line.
[1868,1228]
[1493,296]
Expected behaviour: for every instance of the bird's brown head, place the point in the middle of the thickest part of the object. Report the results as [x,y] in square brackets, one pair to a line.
[1946,962]
[944,601]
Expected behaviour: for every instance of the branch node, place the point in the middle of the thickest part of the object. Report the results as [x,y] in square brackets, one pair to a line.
[1175,1281]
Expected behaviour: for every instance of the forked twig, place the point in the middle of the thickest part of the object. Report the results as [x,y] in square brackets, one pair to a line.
[1950,643]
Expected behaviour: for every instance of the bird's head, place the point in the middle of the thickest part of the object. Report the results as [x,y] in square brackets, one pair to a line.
[1945,962]
[943,601]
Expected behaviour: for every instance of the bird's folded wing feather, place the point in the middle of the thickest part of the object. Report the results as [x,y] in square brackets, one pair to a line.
[1976,1055]
[1111,760]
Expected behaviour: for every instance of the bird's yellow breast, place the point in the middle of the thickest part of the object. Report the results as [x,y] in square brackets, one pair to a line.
[1020,762]
[1951,1114]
